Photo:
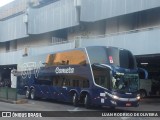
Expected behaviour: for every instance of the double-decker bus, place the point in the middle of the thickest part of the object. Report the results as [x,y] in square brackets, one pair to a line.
[94,75]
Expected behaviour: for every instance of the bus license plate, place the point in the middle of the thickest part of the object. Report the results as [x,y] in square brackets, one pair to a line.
[128,104]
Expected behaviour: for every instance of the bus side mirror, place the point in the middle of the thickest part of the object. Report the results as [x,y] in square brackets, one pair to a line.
[143,74]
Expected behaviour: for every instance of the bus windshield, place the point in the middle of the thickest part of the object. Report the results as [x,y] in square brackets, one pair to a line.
[125,83]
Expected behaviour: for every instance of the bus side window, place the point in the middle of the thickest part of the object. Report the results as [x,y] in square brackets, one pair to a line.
[55,81]
[85,83]
[59,83]
[43,81]
[101,80]
[66,82]
[71,82]
[75,83]
[97,80]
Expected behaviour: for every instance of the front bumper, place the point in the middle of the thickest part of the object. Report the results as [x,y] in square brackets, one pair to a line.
[118,103]
[112,100]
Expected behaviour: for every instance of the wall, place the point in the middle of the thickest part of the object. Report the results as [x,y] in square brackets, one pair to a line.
[119,24]
[12,8]
[94,10]
[87,29]
[55,16]
[13,28]
[143,19]
[34,40]
[2,47]
[13,45]
[139,42]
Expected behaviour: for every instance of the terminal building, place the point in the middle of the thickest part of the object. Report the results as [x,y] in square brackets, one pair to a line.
[34,27]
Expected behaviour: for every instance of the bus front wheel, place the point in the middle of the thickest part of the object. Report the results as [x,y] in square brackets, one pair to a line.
[75,99]
[143,94]
[87,101]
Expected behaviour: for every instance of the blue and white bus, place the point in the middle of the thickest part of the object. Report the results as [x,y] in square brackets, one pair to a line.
[94,75]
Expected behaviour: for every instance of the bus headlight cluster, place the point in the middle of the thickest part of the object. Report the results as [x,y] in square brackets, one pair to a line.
[111,95]
[138,97]
[115,97]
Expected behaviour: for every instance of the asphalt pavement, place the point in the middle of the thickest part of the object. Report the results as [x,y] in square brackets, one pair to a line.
[148,104]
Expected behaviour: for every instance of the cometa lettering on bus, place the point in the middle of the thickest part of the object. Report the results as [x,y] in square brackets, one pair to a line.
[64,70]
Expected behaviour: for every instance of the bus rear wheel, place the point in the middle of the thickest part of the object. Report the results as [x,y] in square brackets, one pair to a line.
[75,99]
[87,101]
[33,97]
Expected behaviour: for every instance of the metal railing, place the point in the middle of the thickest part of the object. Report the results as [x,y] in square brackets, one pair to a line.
[56,40]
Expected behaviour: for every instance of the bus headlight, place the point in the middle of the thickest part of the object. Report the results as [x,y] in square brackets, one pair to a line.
[115,97]
[138,97]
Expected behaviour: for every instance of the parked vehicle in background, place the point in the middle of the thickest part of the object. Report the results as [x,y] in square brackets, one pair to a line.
[145,87]
[148,87]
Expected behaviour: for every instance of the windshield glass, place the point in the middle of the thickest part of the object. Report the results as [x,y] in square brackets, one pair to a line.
[111,56]
[125,83]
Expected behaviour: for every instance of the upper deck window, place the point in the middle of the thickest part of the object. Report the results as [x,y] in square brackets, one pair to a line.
[97,55]
[112,56]
[73,57]
[126,59]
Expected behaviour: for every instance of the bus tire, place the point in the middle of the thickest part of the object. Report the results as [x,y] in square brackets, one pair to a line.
[75,99]
[27,94]
[33,97]
[143,94]
[87,101]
